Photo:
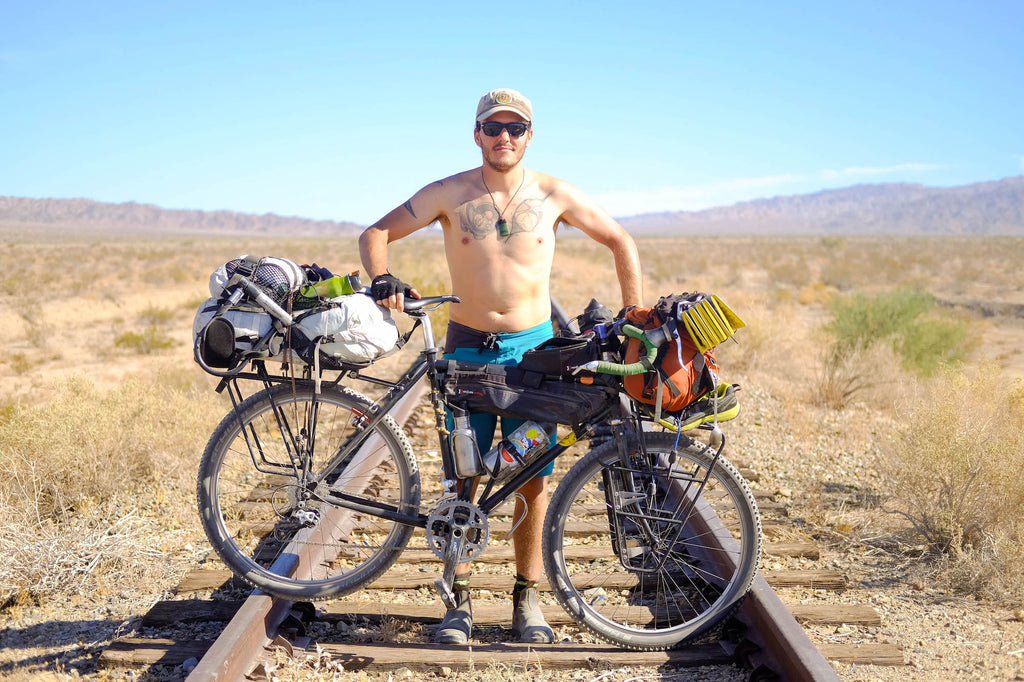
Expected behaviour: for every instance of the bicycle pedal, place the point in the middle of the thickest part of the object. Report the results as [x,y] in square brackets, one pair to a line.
[446,593]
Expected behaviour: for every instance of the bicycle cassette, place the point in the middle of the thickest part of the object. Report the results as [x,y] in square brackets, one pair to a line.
[458,522]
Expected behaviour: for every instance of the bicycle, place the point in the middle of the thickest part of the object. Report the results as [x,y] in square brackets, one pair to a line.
[309,489]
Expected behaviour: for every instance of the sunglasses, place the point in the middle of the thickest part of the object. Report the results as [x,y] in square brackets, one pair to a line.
[494,128]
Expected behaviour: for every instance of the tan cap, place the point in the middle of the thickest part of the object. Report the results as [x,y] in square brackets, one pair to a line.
[504,99]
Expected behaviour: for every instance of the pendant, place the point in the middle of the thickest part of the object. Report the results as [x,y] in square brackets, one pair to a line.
[502,226]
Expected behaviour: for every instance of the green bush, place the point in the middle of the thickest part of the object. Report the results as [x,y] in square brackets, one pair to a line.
[903,319]
[144,343]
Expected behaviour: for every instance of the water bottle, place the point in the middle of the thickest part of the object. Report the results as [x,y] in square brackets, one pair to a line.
[520,448]
[465,449]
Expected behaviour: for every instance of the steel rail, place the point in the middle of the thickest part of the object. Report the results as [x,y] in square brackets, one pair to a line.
[240,644]
[781,645]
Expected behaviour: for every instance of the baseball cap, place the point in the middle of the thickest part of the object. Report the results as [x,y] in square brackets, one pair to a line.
[504,99]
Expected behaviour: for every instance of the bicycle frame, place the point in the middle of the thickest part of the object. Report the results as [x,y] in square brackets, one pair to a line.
[427,365]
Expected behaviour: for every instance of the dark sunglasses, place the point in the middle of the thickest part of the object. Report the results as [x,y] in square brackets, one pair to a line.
[494,128]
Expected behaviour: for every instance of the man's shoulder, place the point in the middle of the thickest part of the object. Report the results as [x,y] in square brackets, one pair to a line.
[555,188]
[457,181]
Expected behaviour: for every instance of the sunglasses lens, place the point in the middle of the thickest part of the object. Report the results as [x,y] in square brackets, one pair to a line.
[493,128]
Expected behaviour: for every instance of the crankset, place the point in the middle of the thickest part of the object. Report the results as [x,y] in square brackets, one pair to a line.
[457,532]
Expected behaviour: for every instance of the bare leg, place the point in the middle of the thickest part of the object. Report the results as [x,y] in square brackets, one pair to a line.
[527,619]
[528,536]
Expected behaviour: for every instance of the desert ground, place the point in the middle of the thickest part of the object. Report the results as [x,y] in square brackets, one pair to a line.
[104,414]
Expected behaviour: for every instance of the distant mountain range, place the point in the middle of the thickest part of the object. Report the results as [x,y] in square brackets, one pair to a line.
[985,208]
[71,215]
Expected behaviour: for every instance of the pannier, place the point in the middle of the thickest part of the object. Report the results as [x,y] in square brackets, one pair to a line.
[511,391]
[685,369]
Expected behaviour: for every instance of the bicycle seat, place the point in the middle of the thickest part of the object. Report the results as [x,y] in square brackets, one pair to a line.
[415,305]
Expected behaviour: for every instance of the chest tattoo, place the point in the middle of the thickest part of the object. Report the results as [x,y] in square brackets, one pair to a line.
[478,218]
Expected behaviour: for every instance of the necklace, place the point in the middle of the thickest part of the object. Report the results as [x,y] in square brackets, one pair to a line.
[502,225]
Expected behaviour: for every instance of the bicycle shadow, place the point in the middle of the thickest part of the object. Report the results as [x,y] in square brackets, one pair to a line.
[68,645]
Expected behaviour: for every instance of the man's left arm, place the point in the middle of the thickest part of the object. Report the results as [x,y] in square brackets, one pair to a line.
[584,214]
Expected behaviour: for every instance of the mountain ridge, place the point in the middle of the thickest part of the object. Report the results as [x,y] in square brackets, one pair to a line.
[985,208]
[994,207]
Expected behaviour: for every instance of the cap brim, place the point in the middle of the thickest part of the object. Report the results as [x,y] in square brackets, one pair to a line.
[501,107]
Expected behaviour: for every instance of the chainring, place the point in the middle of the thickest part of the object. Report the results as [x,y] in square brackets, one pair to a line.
[456,516]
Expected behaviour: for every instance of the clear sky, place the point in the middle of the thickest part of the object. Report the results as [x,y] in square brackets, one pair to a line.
[339,110]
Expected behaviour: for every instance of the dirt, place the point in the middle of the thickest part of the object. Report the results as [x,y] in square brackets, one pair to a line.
[810,459]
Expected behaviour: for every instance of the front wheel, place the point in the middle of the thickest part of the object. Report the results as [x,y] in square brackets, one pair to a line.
[654,551]
[270,486]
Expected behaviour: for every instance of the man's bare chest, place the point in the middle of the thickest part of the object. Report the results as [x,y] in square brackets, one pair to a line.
[484,217]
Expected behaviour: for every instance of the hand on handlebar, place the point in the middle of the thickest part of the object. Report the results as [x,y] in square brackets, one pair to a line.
[390,292]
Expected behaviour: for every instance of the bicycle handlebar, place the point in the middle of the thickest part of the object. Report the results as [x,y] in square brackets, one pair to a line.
[652,340]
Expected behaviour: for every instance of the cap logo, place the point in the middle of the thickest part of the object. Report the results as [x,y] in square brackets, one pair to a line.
[503,98]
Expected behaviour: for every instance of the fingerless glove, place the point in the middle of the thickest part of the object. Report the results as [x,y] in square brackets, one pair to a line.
[387,285]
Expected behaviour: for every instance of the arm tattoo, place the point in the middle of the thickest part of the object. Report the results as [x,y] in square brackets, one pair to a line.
[408,207]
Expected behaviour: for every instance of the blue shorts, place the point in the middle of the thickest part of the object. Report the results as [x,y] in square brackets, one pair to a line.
[499,348]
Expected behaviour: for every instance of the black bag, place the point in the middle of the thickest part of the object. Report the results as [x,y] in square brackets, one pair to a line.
[511,391]
[559,355]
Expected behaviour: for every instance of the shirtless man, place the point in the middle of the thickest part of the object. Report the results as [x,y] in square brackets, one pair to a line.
[499,222]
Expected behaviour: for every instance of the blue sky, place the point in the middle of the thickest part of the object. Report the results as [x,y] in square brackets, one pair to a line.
[337,110]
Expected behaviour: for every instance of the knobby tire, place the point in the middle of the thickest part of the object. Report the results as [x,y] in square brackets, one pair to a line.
[256,474]
[661,581]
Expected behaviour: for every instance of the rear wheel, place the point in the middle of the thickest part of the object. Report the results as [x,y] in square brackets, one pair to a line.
[267,496]
[642,554]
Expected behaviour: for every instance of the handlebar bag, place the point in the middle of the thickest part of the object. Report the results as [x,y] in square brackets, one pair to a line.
[511,391]
[681,372]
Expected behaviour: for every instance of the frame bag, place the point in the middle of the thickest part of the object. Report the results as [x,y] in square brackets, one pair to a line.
[510,391]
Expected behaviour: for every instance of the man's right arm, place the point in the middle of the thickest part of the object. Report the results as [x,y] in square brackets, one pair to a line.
[418,212]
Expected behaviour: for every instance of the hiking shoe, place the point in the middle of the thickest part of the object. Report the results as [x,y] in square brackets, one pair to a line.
[703,409]
[527,619]
[457,625]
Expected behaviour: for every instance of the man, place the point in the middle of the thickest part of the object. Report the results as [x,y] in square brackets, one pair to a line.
[499,222]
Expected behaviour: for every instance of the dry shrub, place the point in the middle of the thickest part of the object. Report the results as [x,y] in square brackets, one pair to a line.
[954,473]
[93,481]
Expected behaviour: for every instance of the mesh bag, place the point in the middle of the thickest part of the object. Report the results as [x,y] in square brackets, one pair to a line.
[279,278]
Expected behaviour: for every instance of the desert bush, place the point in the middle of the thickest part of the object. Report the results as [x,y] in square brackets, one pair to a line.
[90,480]
[155,315]
[905,321]
[953,472]
[145,342]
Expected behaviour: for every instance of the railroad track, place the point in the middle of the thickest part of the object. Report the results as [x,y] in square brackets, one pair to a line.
[764,637]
